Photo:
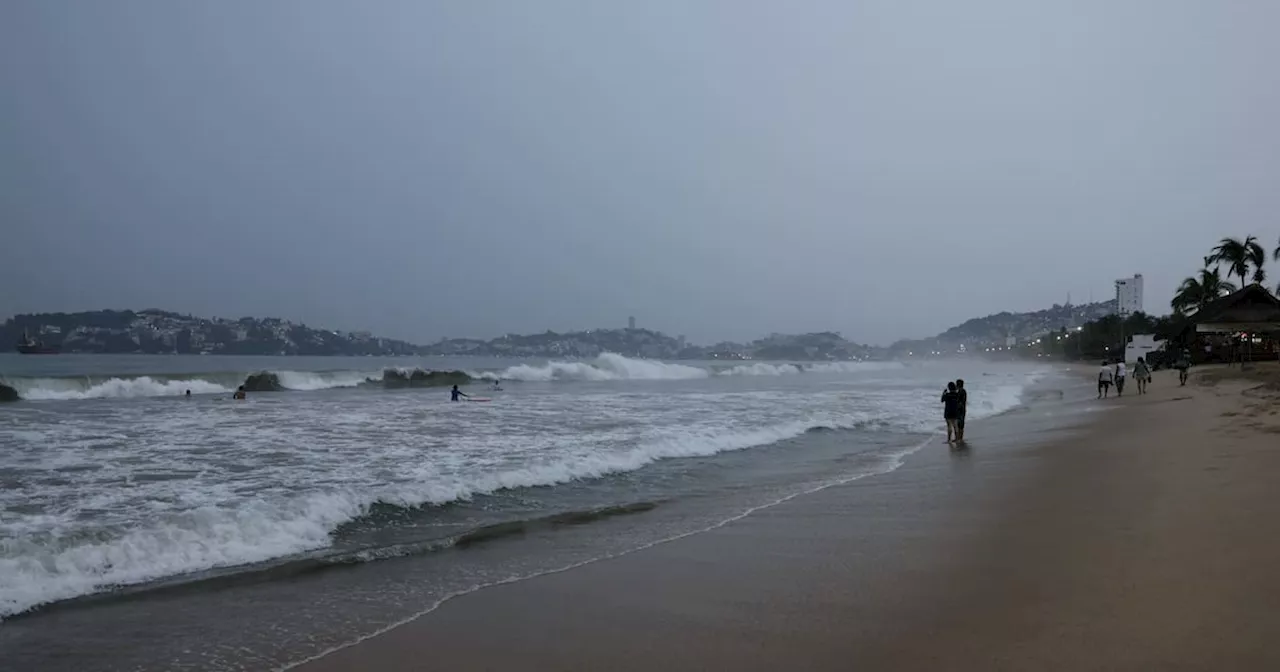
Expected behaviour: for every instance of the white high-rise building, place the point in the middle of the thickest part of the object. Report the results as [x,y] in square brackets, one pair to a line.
[631,323]
[1129,295]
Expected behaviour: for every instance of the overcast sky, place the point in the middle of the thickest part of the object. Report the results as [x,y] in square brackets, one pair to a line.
[717,169]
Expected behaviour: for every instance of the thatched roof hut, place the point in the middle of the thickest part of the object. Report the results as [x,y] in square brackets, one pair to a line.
[1252,310]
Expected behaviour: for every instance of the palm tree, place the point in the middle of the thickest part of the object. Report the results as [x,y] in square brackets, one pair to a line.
[1194,293]
[1241,256]
[1275,256]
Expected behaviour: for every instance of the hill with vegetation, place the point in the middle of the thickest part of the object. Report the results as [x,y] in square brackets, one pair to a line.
[164,332]
[1000,329]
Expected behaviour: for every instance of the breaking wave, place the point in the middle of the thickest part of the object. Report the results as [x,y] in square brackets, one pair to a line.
[775,369]
[41,565]
[308,380]
[47,567]
[87,388]
[606,367]
[172,385]
[610,366]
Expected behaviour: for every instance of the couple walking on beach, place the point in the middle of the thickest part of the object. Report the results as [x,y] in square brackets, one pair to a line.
[1110,375]
[955,402]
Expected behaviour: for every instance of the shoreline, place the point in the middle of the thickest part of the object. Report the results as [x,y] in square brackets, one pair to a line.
[695,454]
[1047,552]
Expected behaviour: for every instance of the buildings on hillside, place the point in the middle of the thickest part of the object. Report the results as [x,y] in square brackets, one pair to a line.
[164,332]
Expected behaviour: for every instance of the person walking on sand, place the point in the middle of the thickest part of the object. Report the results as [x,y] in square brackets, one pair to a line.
[1182,364]
[964,409]
[1104,381]
[951,410]
[1142,374]
[1119,379]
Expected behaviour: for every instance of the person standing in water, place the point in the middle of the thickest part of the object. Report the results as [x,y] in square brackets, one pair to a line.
[1142,374]
[951,410]
[1104,381]
[239,393]
[455,393]
[964,409]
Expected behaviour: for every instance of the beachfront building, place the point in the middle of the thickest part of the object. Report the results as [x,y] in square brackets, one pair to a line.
[1246,321]
[1139,345]
[1252,309]
[1129,295]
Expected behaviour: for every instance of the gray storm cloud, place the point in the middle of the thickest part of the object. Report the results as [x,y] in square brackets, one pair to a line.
[719,169]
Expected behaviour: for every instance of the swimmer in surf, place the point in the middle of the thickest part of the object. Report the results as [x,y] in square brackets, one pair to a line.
[455,393]
[239,393]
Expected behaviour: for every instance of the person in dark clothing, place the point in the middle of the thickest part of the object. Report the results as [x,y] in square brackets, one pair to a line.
[964,408]
[239,393]
[455,393]
[951,410]
[1182,363]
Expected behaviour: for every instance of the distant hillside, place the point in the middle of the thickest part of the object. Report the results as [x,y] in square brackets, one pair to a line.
[163,332]
[589,343]
[652,344]
[994,330]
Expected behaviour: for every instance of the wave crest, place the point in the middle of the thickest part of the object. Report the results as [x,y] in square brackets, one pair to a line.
[143,386]
[608,366]
[44,568]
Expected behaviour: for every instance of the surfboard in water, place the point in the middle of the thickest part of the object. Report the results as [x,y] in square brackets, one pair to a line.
[478,399]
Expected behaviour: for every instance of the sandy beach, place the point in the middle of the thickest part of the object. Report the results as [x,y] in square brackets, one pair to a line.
[1141,541]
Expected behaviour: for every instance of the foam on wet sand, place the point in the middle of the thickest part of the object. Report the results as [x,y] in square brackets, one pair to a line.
[1143,541]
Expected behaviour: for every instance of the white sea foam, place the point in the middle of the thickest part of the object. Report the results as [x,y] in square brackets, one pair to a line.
[283,477]
[611,366]
[776,369]
[324,380]
[984,403]
[608,366]
[44,389]
[145,386]
[41,568]
[761,369]
[891,462]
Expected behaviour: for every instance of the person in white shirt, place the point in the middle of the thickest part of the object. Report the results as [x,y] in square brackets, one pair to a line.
[1104,380]
[1119,378]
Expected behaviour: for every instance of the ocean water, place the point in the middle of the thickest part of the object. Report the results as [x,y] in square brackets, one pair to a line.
[191,527]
